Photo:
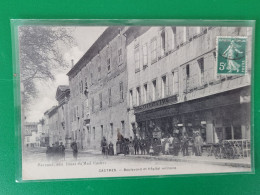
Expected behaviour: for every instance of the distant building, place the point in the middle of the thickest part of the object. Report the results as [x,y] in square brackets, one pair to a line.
[173,87]
[58,118]
[98,84]
[31,137]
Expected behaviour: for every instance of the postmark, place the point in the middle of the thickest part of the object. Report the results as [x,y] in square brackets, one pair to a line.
[231,55]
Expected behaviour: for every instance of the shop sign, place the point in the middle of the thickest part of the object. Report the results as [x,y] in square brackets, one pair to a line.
[155,104]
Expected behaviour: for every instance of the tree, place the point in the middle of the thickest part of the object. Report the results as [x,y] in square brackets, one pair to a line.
[41,51]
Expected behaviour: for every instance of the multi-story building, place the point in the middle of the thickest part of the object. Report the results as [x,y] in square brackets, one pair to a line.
[173,86]
[98,84]
[58,118]
[64,126]
[31,135]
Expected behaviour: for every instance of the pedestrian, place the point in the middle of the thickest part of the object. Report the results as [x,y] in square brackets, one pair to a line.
[48,153]
[136,145]
[167,146]
[185,144]
[111,149]
[147,144]
[62,151]
[131,146]
[74,150]
[151,150]
[163,141]
[142,146]
[176,145]
[198,143]
[104,146]
[118,146]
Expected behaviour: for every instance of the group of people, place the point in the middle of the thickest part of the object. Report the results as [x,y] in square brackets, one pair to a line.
[167,145]
[56,151]
[107,149]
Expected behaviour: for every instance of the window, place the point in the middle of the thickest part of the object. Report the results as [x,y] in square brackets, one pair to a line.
[138,96]
[102,131]
[145,93]
[123,127]
[99,72]
[154,90]
[131,98]
[153,50]
[81,87]
[91,77]
[175,82]
[163,43]
[163,86]
[109,97]
[121,91]
[137,59]
[188,71]
[82,106]
[173,37]
[94,133]
[93,105]
[185,34]
[86,88]
[201,67]
[145,55]
[201,64]
[108,64]
[120,56]
[100,101]
[111,129]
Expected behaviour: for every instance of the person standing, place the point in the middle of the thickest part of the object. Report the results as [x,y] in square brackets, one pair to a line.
[185,145]
[147,144]
[142,146]
[118,146]
[198,143]
[136,145]
[111,149]
[74,150]
[166,146]
[62,151]
[176,145]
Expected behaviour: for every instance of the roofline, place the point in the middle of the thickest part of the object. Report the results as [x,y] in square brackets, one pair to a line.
[98,45]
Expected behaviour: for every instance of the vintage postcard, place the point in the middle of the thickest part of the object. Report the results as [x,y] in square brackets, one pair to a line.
[116,101]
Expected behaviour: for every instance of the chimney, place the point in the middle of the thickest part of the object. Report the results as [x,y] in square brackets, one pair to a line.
[72,63]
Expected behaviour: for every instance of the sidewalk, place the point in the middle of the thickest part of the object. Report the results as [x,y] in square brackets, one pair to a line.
[241,162]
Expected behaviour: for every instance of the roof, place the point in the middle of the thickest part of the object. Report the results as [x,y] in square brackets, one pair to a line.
[108,35]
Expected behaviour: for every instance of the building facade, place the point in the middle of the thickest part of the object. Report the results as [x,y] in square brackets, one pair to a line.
[59,127]
[173,87]
[32,138]
[98,84]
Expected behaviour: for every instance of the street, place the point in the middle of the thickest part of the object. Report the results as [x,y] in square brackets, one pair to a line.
[90,165]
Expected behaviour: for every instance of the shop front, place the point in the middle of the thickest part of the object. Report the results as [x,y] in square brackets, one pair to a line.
[217,117]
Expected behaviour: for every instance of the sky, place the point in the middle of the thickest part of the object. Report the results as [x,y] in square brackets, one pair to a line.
[85,37]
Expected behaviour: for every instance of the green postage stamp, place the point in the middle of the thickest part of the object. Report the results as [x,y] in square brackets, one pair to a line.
[231,55]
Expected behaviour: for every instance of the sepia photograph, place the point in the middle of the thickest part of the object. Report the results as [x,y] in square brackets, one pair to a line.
[122,101]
